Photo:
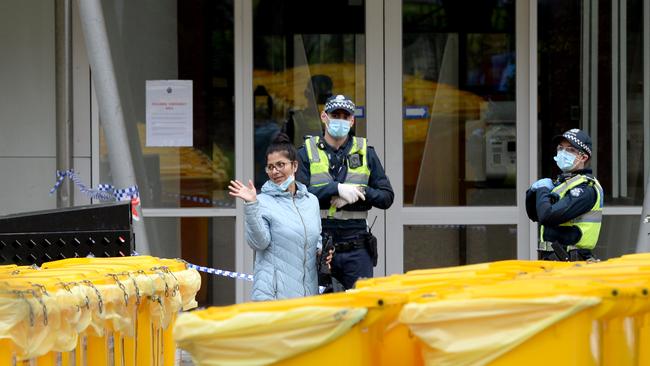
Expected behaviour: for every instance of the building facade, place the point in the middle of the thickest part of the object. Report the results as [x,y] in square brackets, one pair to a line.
[459,98]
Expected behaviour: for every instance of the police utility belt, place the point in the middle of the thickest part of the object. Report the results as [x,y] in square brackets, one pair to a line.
[344,215]
[347,246]
[547,246]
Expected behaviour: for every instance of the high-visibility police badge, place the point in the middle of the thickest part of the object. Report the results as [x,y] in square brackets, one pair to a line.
[575,192]
[354,160]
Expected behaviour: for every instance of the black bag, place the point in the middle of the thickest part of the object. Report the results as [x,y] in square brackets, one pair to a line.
[371,247]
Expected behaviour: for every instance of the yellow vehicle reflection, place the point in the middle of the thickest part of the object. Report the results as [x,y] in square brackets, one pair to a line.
[446,109]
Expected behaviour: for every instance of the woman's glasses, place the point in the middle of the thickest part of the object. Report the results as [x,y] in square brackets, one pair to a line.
[279,165]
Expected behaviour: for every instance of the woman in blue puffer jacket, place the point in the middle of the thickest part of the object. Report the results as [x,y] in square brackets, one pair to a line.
[282,226]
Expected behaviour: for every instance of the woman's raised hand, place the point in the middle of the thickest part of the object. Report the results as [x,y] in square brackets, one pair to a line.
[247,193]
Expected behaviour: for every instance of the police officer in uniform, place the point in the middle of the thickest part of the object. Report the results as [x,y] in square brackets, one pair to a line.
[346,176]
[570,208]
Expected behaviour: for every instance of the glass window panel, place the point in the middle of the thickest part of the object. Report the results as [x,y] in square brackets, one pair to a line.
[632,163]
[459,103]
[433,246]
[204,241]
[576,90]
[169,40]
[618,236]
[299,63]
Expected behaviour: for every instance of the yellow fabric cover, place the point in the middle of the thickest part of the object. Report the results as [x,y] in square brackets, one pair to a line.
[477,331]
[74,309]
[262,338]
[190,282]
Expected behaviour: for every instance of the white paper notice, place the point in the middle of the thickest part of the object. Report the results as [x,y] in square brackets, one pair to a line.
[169,113]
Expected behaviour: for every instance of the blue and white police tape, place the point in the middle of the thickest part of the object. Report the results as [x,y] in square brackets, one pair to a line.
[104,192]
[221,272]
[237,275]
[214,271]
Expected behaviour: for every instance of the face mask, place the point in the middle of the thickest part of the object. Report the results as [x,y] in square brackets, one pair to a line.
[338,127]
[565,160]
[284,185]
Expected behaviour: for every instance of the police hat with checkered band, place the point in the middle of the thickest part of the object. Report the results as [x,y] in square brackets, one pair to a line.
[577,138]
[337,102]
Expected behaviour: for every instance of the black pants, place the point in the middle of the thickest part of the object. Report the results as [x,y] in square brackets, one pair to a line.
[349,266]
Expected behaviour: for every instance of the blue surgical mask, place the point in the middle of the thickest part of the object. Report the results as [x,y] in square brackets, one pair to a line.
[565,160]
[284,185]
[338,128]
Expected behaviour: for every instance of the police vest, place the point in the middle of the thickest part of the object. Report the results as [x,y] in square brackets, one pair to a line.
[319,167]
[589,222]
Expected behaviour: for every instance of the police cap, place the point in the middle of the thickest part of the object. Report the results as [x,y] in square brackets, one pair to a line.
[577,138]
[340,101]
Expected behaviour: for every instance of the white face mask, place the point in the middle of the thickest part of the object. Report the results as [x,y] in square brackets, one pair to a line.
[284,185]
[565,160]
[338,127]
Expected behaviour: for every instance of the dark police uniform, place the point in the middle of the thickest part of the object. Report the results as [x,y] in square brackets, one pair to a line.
[351,260]
[559,214]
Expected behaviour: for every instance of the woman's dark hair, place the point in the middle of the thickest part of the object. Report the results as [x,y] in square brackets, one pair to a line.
[281,143]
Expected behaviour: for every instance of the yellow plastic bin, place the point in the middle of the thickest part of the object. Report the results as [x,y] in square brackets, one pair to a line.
[340,329]
[71,309]
[514,322]
[622,331]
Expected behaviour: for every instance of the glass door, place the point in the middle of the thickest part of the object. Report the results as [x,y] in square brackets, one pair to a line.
[438,97]
[453,141]
[602,88]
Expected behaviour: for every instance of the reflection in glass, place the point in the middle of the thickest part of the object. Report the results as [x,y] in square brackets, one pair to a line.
[167,41]
[204,241]
[459,103]
[299,63]
[433,246]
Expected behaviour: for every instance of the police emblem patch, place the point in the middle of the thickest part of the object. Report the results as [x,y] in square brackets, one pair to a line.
[575,192]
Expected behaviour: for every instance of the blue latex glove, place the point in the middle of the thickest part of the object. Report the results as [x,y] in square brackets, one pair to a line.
[544,182]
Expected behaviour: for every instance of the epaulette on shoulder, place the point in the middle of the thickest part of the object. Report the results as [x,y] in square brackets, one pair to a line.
[590,178]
